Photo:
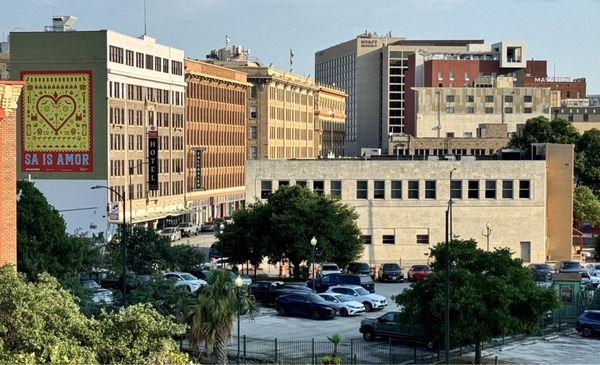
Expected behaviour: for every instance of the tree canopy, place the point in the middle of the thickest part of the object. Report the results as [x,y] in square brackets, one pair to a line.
[588,166]
[586,206]
[490,294]
[542,130]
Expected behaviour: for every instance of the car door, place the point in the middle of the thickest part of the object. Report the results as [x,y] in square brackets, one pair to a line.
[386,324]
[297,304]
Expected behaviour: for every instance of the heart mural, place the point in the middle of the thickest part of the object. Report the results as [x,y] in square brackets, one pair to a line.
[56,110]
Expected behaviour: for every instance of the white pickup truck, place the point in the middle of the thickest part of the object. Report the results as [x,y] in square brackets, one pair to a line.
[188,229]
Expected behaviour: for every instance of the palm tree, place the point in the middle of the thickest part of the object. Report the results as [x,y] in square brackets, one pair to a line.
[214,313]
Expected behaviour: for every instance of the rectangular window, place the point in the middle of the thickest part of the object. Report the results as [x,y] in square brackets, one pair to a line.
[367,239]
[319,187]
[165,63]
[149,62]
[508,110]
[413,189]
[301,183]
[524,189]
[265,189]
[449,134]
[430,192]
[490,189]
[379,189]
[526,252]
[489,98]
[468,134]
[423,239]
[456,189]
[284,182]
[157,64]
[139,60]
[336,188]
[252,112]
[129,57]
[470,110]
[396,189]
[470,98]
[473,189]
[253,131]
[449,98]
[508,98]
[388,239]
[451,75]
[507,189]
[466,76]
[361,189]
[176,68]
[253,153]
[527,98]
[440,76]
[527,110]
[489,110]
[450,109]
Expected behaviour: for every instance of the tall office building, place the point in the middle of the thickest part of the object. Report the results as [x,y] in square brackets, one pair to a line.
[372,70]
[90,99]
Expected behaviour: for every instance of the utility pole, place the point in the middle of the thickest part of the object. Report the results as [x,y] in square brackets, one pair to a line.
[447,288]
[487,233]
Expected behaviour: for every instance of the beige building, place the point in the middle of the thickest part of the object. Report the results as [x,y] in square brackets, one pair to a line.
[458,112]
[402,204]
[330,117]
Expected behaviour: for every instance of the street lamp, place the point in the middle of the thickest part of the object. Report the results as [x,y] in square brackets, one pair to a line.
[131,170]
[487,233]
[221,228]
[123,238]
[239,282]
[313,243]
[447,289]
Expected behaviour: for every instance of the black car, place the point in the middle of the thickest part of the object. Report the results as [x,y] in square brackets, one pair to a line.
[199,273]
[390,326]
[213,251]
[306,305]
[390,272]
[324,282]
[358,268]
[267,292]
[569,266]
[542,272]
[588,323]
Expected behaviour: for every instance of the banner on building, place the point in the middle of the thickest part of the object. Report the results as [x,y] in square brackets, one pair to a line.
[113,211]
[57,121]
[198,164]
[152,132]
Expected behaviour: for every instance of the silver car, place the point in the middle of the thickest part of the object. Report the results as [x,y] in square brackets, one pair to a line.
[183,278]
[172,233]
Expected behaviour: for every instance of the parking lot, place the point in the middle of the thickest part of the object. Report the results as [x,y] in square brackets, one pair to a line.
[268,324]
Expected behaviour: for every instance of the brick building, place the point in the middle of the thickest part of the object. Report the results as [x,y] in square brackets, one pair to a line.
[9,93]
[215,131]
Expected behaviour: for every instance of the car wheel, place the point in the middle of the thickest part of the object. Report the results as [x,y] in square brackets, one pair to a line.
[316,315]
[369,335]
[368,307]
[344,312]
[586,332]
[281,310]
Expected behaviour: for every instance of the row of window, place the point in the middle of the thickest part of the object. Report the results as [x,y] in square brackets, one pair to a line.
[335,187]
[117,167]
[302,116]
[488,110]
[200,91]
[490,98]
[121,90]
[290,96]
[147,61]
[215,115]
[288,133]
[390,239]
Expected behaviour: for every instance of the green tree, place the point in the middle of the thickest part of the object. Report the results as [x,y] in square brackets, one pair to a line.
[214,314]
[542,130]
[490,294]
[588,164]
[184,257]
[586,206]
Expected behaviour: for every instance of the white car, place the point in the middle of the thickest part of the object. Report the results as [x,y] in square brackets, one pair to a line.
[347,306]
[594,268]
[172,233]
[328,268]
[360,294]
[99,295]
[587,279]
[183,278]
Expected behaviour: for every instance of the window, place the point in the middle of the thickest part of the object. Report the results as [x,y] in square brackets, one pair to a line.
[451,75]
[468,134]
[489,98]
[284,182]
[265,189]
[252,112]
[165,63]
[526,251]
[149,62]
[413,189]
[139,60]
[115,54]
[527,98]
[361,189]
[423,239]
[440,76]
[489,110]
[524,189]
[319,187]
[129,57]
[336,188]
[507,189]
[396,189]
[456,189]
[470,98]
[449,98]
[176,68]
[490,189]
[450,109]
[379,189]
[253,131]
[367,239]
[473,189]
[388,239]
[527,110]
[449,134]
[430,189]
[508,98]
[470,110]
[466,76]
[253,153]
[157,64]
[585,118]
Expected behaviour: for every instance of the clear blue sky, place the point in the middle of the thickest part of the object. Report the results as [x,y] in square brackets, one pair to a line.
[566,33]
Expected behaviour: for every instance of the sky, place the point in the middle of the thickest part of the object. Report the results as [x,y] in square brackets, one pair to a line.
[566,33]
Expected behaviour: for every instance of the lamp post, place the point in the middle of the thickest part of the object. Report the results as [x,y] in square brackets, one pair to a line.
[313,243]
[239,282]
[447,288]
[131,170]
[123,237]
[221,228]
[487,233]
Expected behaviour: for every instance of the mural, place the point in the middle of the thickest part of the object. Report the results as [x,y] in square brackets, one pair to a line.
[57,121]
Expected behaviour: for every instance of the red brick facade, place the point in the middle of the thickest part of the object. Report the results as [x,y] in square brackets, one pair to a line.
[8,182]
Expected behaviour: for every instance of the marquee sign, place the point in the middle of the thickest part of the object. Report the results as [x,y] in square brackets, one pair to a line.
[152,133]
[57,121]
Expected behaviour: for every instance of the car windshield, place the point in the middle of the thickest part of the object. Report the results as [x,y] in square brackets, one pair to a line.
[361,291]
[330,267]
[364,279]
[421,268]
[571,265]
[363,266]
[90,284]
[188,277]
[344,298]
[543,267]
[597,267]
[316,299]
[391,267]
[168,230]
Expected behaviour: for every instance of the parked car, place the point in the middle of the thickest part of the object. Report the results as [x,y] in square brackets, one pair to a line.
[188,229]
[245,278]
[358,268]
[172,233]
[390,272]
[307,305]
[201,274]
[192,283]
[213,251]
[323,283]
[569,266]
[541,272]
[99,294]
[418,272]
[588,280]
[370,301]
[267,292]
[207,227]
[594,268]
[346,305]
[328,268]
[588,323]
[390,326]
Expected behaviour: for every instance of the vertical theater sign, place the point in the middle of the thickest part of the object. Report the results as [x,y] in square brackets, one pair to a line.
[57,121]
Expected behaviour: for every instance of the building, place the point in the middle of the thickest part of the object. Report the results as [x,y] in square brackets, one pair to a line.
[101,93]
[401,204]
[281,119]
[373,71]
[458,111]
[582,117]
[4,65]
[330,117]
[215,132]
[9,94]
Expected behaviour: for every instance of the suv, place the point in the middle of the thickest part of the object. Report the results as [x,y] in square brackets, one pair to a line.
[324,282]
[569,266]
[188,229]
[361,295]
[389,326]
[390,272]
[328,268]
[588,323]
[358,268]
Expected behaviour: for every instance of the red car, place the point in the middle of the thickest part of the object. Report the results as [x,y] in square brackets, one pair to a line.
[418,272]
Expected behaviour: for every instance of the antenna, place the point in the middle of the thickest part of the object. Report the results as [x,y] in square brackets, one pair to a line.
[554,76]
[226,40]
[291,60]
[145,19]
